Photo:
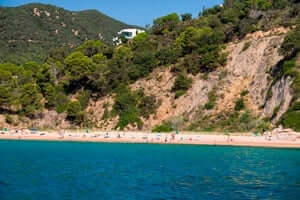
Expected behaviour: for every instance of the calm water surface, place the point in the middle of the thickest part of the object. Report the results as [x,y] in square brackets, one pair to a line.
[62,170]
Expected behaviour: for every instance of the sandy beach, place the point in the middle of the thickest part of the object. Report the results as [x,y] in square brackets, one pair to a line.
[280,141]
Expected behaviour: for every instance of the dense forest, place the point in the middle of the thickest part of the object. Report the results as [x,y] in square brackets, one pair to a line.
[66,81]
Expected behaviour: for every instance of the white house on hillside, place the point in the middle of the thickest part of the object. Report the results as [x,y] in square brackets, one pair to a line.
[129,34]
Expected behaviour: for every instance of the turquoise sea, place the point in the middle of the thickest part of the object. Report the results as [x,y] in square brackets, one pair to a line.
[66,170]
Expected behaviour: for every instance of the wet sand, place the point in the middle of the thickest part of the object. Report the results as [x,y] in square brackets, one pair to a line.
[280,141]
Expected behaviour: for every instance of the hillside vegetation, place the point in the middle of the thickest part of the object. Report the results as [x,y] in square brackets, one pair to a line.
[31,31]
[70,83]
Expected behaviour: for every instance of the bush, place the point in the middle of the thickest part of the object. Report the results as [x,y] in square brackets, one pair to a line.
[244,93]
[144,63]
[165,127]
[246,45]
[9,119]
[182,84]
[168,56]
[291,44]
[83,98]
[211,100]
[147,105]
[289,68]
[179,93]
[291,120]
[239,104]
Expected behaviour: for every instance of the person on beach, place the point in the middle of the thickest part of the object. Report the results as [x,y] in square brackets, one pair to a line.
[173,136]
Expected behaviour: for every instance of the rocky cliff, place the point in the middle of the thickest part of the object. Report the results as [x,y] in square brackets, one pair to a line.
[247,70]
[245,77]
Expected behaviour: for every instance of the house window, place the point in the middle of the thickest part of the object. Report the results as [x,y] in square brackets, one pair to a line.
[127,34]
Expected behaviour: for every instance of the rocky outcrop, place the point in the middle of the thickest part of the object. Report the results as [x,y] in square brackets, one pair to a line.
[280,99]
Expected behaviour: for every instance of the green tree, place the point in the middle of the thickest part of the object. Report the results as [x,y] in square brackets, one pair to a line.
[142,40]
[91,47]
[167,22]
[31,99]
[126,107]
[50,95]
[74,112]
[119,66]
[77,66]
[5,96]
[31,66]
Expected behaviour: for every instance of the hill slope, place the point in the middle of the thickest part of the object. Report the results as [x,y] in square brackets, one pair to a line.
[236,68]
[28,32]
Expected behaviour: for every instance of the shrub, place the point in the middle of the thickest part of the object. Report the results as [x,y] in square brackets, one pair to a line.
[179,93]
[244,93]
[291,43]
[289,68]
[246,45]
[291,120]
[168,55]
[83,98]
[144,63]
[211,100]
[182,84]
[165,127]
[9,119]
[239,104]
[147,105]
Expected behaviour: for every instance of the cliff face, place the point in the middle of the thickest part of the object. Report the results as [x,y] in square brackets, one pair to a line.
[247,71]
[280,100]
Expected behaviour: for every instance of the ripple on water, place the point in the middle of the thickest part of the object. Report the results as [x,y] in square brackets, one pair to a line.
[49,170]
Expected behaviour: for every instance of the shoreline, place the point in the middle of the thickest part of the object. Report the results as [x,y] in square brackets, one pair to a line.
[159,138]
